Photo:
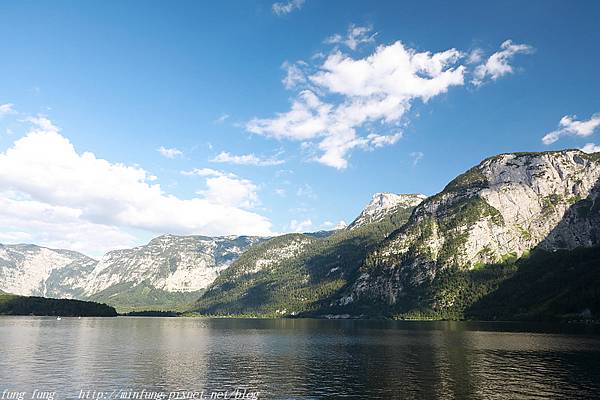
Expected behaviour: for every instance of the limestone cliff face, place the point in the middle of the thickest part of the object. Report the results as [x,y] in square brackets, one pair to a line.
[504,207]
[31,270]
[170,263]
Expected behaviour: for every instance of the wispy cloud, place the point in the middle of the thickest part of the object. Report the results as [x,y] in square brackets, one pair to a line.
[246,159]
[169,152]
[498,64]
[569,125]
[294,75]
[6,109]
[306,191]
[416,156]
[355,36]
[284,8]
[222,118]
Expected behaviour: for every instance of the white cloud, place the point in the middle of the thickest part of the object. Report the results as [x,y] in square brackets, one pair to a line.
[293,74]
[591,148]
[169,153]
[306,191]
[498,64]
[231,191]
[416,157]
[300,226]
[81,201]
[351,93]
[284,8]
[29,221]
[383,140]
[355,36]
[341,225]
[568,125]
[203,172]
[6,109]
[330,225]
[475,56]
[226,188]
[246,159]
[222,118]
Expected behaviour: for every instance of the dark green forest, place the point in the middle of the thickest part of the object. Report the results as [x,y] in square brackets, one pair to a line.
[23,305]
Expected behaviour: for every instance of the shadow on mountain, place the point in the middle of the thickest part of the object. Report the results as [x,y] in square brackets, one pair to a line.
[558,279]
[251,303]
[561,277]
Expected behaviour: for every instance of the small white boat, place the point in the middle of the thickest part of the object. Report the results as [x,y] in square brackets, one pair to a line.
[58,318]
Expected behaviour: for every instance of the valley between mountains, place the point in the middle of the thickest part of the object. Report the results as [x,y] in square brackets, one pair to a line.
[515,237]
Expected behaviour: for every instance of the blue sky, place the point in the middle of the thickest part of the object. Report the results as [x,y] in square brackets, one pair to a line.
[272,117]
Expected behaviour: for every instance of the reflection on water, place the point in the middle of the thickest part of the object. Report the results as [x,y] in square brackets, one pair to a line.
[298,358]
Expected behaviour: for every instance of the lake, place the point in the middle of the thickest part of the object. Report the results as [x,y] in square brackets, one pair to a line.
[184,358]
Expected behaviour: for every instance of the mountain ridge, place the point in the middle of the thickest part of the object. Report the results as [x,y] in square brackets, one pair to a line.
[404,256]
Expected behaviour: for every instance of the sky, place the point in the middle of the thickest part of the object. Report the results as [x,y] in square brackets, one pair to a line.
[124,120]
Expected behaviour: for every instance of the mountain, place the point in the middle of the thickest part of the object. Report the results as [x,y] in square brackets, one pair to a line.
[169,272]
[297,273]
[520,226]
[515,237]
[495,213]
[383,204]
[31,270]
[547,285]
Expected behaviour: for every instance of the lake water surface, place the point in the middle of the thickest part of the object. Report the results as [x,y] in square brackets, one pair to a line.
[125,357]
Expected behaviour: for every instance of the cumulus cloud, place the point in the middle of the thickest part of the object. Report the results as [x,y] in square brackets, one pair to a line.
[48,187]
[29,221]
[284,8]
[339,96]
[246,159]
[591,148]
[346,94]
[231,191]
[355,36]
[169,153]
[498,64]
[569,125]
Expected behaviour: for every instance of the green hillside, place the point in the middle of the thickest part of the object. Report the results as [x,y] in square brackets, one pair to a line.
[300,284]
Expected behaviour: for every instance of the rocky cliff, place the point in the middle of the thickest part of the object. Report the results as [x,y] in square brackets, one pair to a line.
[501,209]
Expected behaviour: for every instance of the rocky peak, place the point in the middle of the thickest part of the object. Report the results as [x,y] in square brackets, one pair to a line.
[383,204]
